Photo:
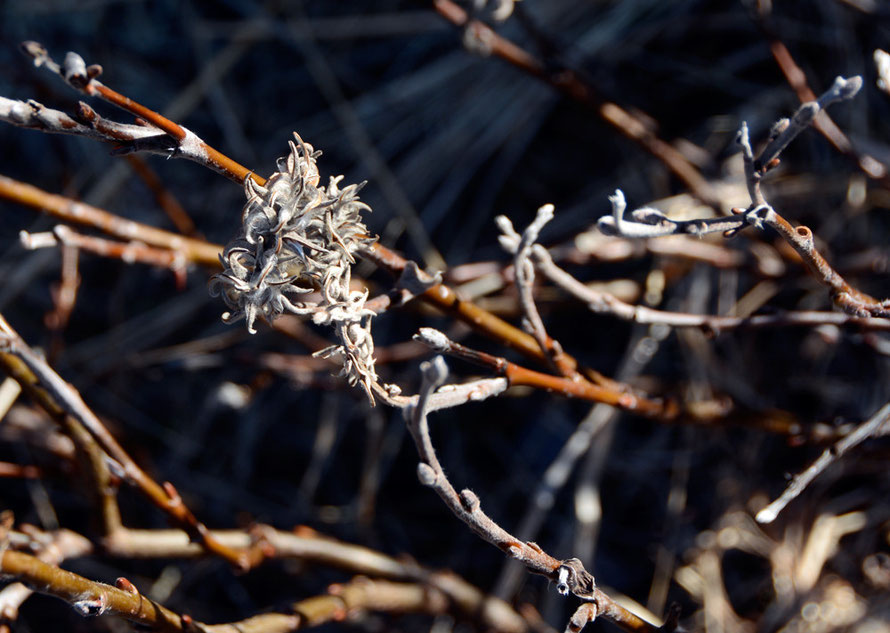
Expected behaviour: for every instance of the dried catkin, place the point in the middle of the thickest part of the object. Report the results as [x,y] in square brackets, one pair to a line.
[296,239]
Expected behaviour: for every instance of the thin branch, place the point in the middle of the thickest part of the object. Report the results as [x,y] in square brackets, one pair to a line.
[648,222]
[665,410]
[446,299]
[192,250]
[569,575]
[797,79]
[127,252]
[861,433]
[181,142]
[606,303]
[524,272]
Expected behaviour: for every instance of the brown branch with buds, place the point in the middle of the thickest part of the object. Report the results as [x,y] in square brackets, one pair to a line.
[516,375]
[164,135]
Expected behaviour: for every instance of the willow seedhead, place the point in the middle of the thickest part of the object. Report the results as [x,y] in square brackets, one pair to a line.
[298,238]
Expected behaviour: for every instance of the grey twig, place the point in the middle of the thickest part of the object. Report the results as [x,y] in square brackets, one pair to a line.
[648,222]
[831,455]
[569,575]
[524,271]
[841,90]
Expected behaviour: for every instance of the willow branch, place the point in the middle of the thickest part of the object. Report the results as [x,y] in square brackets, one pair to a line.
[167,135]
[569,575]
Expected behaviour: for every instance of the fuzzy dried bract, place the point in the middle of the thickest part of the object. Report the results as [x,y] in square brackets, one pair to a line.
[297,238]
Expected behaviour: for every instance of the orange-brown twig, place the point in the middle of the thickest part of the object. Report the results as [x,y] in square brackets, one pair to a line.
[574,388]
[192,250]
[185,143]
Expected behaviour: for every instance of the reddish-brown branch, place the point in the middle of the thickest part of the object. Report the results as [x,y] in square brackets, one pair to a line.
[192,250]
[517,375]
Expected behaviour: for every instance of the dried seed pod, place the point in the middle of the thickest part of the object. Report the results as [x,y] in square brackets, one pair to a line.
[295,238]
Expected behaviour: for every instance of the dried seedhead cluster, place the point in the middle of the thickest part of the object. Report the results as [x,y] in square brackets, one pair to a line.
[297,241]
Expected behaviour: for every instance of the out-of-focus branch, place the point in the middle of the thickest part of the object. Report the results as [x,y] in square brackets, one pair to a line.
[192,250]
[51,548]
[90,598]
[128,252]
[570,83]
[306,545]
[60,400]
[861,433]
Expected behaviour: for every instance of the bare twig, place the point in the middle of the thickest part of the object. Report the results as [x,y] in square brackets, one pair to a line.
[605,303]
[179,141]
[524,272]
[569,575]
[665,410]
[831,455]
[647,222]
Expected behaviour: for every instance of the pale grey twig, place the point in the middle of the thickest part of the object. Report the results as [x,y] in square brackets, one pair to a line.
[447,396]
[882,66]
[832,454]
[34,115]
[569,575]
[648,222]
[605,303]
[841,90]
[524,272]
